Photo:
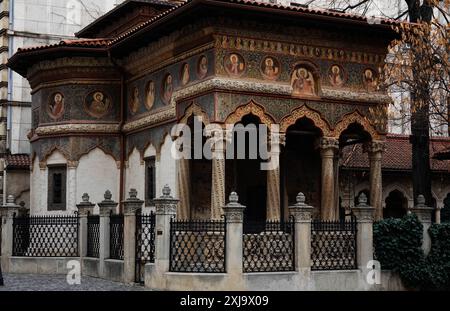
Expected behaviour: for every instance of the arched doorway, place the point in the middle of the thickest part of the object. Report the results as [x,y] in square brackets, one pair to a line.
[396,205]
[301,165]
[243,172]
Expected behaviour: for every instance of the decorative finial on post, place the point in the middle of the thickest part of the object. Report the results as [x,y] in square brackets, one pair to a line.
[301,199]
[10,200]
[234,198]
[362,200]
[108,195]
[133,194]
[300,210]
[234,211]
[85,198]
[420,200]
[166,191]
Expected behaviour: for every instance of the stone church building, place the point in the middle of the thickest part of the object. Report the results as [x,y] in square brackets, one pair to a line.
[104,105]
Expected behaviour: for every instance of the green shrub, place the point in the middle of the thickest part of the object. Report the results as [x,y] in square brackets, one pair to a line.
[398,247]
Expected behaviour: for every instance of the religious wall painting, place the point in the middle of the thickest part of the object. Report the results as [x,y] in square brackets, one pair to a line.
[270,68]
[303,82]
[370,79]
[134,102]
[234,65]
[167,88]
[55,107]
[97,104]
[185,77]
[336,75]
[150,95]
[202,67]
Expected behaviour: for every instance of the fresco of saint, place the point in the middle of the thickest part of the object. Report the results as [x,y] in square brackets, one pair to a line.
[202,67]
[97,104]
[370,80]
[234,65]
[134,101]
[270,68]
[56,106]
[302,82]
[167,88]
[336,76]
[150,95]
[185,74]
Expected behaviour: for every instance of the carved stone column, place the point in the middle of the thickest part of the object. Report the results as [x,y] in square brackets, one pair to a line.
[184,189]
[273,182]
[423,212]
[302,215]
[364,235]
[328,147]
[85,208]
[218,181]
[106,207]
[132,207]
[234,215]
[438,214]
[72,184]
[375,150]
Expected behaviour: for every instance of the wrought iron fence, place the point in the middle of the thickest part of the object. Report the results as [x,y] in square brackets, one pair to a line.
[333,245]
[269,246]
[93,236]
[45,236]
[197,246]
[116,237]
[145,243]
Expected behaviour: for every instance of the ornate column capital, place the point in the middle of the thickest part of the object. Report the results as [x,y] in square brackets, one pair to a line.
[363,212]
[72,164]
[132,205]
[301,211]
[328,145]
[376,146]
[166,204]
[85,207]
[234,211]
[107,206]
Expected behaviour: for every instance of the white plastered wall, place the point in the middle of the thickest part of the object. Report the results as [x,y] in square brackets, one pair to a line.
[167,172]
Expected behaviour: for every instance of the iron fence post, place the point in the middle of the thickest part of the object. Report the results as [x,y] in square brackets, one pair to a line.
[423,213]
[106,207]
[9,211]
[85,208]
[364,232]
[166,209]
[234,215]
[132,207]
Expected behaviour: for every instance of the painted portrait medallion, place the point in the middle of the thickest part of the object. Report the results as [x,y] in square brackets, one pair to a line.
[185,77]
[270,68]
[234,65]
[134,102]
[150,95]
[167,88]
[202,67]
[336,75]
[370,79]
[97,104]
[302,82]
[55,107]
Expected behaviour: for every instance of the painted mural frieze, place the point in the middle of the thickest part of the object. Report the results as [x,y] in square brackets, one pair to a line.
[185,76]
[97,104]
[167,89]
[55,106]
[303,82]
[202,67]
[336,75]
[270,68]
[77,128]
[150,95]
[234,64]
[370,80]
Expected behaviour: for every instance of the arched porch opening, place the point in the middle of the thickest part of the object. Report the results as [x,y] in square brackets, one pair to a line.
[445,212]
[396,205]
[243,171]
[300,164]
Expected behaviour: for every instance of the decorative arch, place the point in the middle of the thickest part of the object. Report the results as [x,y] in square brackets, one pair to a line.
[356,117]
[391,187]
[194,110]
[53,150]
[305,112]
[250,108]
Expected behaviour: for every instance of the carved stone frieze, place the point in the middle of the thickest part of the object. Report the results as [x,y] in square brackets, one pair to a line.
[77,128]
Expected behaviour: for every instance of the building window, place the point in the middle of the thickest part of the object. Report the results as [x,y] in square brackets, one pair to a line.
[57,188]
[150,181]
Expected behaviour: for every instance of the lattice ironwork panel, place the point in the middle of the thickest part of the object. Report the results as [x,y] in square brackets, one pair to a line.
[45,236]
[145,243]
[116,237]
[197,246]
[333,245]
[269,247]
[93,236]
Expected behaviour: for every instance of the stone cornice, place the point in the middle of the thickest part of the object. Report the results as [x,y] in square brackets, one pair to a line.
[77,128]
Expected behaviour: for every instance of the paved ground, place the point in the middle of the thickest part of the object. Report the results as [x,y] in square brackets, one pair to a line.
[28,282]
